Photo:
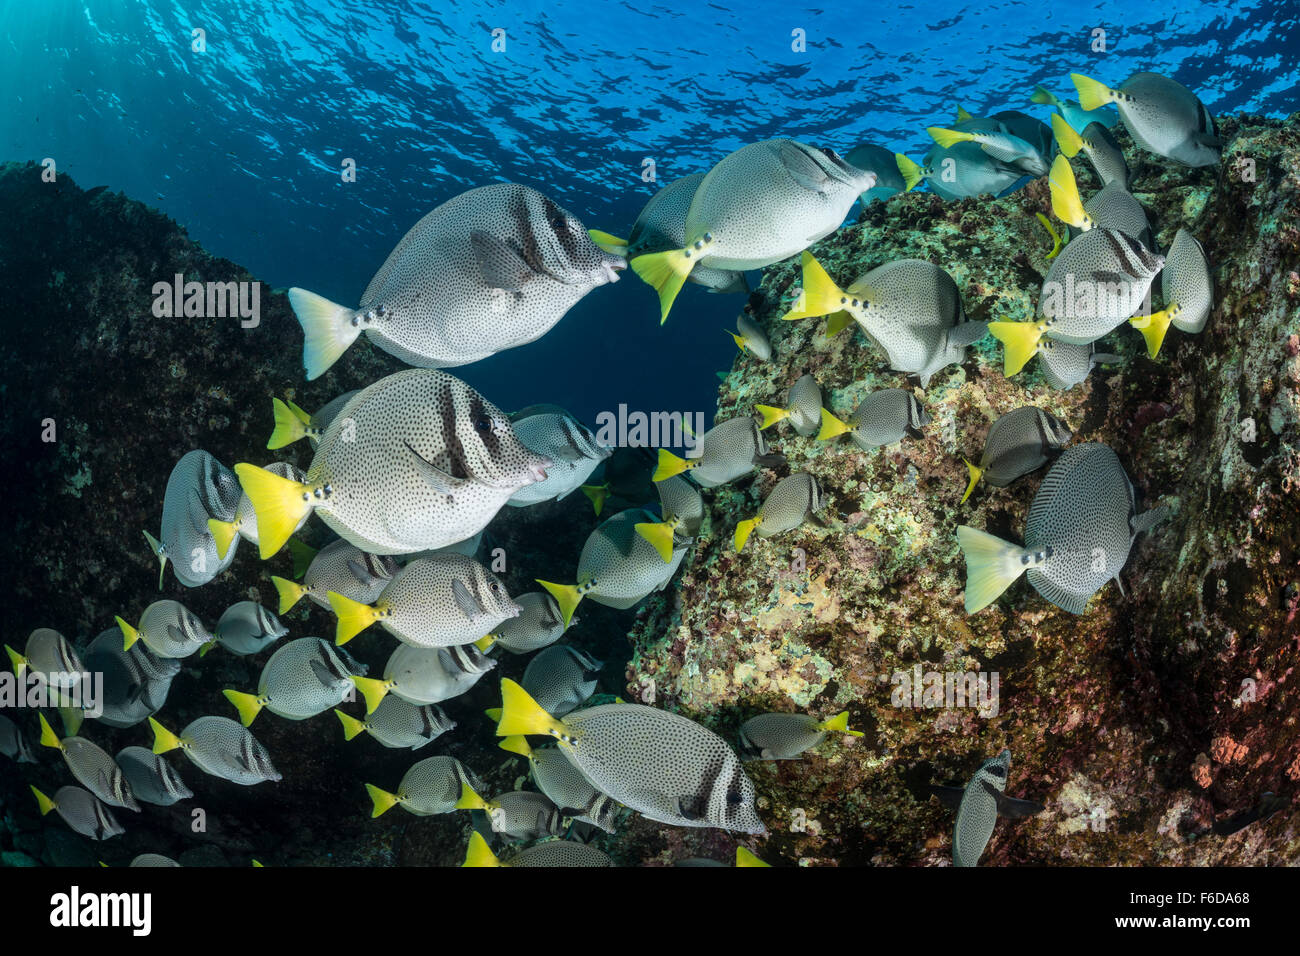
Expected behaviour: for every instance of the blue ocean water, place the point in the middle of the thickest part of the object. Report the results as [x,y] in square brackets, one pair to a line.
[243,143]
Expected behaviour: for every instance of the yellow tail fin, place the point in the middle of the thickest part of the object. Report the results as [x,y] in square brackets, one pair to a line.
[839,724]
[493,714]
[48,737]
[1153,328]
[280,504]
[975,473]
[666,272]
[1056,236]
[354,617]
[19,662]
[520,714]
[660,536]
[1042,97]
[566,596]
[327,330]
[1067,138]
[484,642]
[469,800]
[991,566]
[1093,95]
[160,553]
[596,494]
[289,427]
[737,338]
[163,739]
[771,415]
[746,858]
[837,322]
[670,464]
[290,592]
[129,634]
[1065,195]
[479,853]
[517,744]
[383,800]
[248,705]
[743,531]
[820,296]
[947,138]
[611,244]
[206,649]
[1021,341]
[373,690]
[351,726]
[224,533]
[44,802]
[911,172]
[832,427]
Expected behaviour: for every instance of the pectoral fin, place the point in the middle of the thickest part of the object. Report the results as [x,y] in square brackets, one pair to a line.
[499,263]
[1010,807]
[466,601]
[950,797]
[802,168]
[441,481]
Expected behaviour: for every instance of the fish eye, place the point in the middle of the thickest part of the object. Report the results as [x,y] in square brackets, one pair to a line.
[997,771]
[560,224]
[483,425]
[831,153]
[734,797]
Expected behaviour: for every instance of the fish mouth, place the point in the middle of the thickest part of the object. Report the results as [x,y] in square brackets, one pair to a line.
[612,266]
[537,470]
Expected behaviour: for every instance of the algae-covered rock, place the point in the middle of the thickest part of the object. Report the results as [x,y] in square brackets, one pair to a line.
[1110,715]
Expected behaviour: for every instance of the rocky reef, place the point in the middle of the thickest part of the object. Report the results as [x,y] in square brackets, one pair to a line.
[1140,724]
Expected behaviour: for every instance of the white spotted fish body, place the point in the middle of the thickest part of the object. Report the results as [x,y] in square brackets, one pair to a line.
[554,433]
[416,461]
[82,812]
[538,625]
[561,678]
[199,489]
[885,417]
[1020,441]
[439,601]
[342,567]
[248,628]
[152,779]
[92,766]
[221,747]
[1078,534]
[662,226]
[400,725]
[490,269]
[430,675]
[664,766]
[168,628]
[303,678]
[1109,274]
[1065,365]
[1163,116]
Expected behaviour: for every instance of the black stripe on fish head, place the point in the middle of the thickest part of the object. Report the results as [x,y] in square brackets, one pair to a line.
[530,249]
[455,448]
[481,420]
[557,220]
[102,821]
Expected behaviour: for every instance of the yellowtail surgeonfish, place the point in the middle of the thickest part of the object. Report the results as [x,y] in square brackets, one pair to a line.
[416,461]
[763,203]
[791,501]
[666,767]
[1078,534]
[978,806]
[490,269]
